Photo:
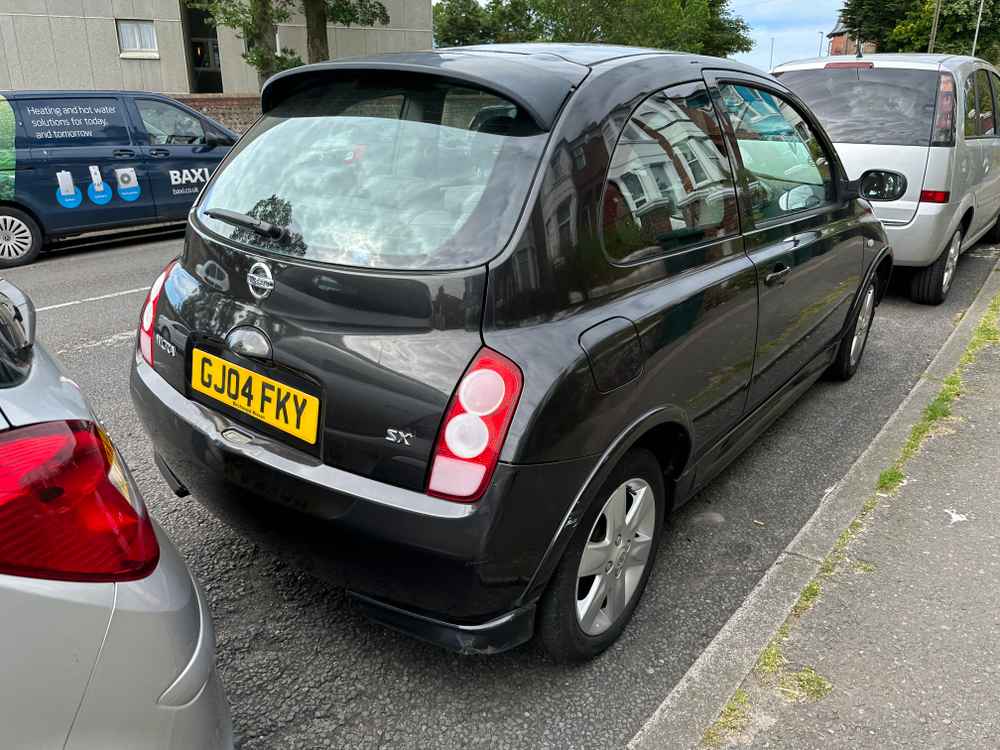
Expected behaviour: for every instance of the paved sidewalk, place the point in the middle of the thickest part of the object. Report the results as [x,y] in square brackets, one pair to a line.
[896,644]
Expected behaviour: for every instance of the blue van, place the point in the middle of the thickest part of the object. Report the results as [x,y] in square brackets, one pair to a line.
[75,162]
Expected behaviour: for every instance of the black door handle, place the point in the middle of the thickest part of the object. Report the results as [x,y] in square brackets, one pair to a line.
[159,153]
[123,153]
[777,276]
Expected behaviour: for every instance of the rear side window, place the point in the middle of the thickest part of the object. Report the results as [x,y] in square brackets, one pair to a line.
[985,122]
[167,124]
[786,166]
[392,172]
[880,106]
[669,185]
[83,121]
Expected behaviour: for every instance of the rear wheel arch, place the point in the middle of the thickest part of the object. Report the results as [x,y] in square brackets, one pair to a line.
[966,221]
[666,433]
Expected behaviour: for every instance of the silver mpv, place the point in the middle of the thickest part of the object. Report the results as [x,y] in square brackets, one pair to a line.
[920,132]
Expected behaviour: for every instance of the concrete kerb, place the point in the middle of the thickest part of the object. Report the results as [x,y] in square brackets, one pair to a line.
[695,701]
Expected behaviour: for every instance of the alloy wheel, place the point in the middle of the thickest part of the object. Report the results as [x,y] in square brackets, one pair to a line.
[615,556]
[15,238]
[954,250]
[863,325]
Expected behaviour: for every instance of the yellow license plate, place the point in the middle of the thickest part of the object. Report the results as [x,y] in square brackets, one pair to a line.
[271,401]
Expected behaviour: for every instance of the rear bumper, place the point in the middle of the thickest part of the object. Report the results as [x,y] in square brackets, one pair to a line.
[920,241]
[451,573]
[171,697]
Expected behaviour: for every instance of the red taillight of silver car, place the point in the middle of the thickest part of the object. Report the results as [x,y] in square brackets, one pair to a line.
[148,319]
[474,428]
[67,511]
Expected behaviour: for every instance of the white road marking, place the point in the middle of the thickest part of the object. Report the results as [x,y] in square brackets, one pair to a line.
[955,517]
[112,340]
[93,299]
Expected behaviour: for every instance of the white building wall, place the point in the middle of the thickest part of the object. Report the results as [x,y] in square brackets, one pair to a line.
[73,44]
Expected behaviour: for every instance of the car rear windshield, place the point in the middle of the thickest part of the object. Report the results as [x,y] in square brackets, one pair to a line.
[407,172]
[882,106]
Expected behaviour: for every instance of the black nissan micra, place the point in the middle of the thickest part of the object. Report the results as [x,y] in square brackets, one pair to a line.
[463,327]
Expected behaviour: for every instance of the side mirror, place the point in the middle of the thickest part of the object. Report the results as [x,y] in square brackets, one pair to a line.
[213,139]
[882,185]
[23,310]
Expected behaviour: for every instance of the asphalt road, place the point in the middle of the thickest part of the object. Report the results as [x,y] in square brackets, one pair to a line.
[303,670]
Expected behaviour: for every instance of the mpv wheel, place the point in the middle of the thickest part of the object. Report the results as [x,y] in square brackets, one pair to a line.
[20,238]
[600,579]
[930,285]
[852,346]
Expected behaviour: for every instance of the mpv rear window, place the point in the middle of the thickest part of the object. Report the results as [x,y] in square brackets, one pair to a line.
[400,172]
[881,106]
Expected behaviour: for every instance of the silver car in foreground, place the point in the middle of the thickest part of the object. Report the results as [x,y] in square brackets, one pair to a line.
[920,132]
[107,640]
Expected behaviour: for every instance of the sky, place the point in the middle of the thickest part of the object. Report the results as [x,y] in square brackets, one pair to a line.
[794,25]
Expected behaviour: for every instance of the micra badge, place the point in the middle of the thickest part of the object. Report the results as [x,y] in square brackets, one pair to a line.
[398,436]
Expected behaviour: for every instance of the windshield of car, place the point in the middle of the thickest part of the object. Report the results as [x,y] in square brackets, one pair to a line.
[882,106]
[407,172]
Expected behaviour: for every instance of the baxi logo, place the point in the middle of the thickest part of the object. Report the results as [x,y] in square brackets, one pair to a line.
[188,176]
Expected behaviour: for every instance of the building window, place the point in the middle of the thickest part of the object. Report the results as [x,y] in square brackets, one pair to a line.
[137,39]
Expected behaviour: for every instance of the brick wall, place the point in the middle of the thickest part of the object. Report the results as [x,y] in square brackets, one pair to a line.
[235,112]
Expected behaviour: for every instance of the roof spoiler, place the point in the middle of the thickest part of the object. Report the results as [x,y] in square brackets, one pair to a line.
[539,87]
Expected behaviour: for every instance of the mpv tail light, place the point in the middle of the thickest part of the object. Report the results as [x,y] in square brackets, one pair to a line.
[944,112]
[934,196]
[474,428]
[148,319]
[67,511]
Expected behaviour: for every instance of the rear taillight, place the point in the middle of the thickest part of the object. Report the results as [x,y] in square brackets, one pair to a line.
[474,428]
[934,196]
[944,112]
[148,319]
[67,511]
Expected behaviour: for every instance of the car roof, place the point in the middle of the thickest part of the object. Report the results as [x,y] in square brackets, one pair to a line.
[579,53]
[537,77]
[81,92]
[885,60]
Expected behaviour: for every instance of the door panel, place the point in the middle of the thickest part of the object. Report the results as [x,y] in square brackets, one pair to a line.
[87,173]
[807,255]
[971,172]
[180,159]
[989,194]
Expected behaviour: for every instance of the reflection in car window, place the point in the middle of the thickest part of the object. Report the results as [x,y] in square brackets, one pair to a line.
[884,106]
[984,104]
[971,120]
[380,171]
[669,185]
[168,125]
[786,167]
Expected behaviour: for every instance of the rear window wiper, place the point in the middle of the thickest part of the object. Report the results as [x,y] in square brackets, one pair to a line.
[265,229]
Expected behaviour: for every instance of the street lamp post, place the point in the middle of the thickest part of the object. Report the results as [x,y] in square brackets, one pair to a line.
[979,21]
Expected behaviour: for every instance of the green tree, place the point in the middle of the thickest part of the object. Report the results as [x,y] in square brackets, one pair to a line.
[254,21]
[344,12]
[956,29]
[707,26]
[875,20]
[461,22]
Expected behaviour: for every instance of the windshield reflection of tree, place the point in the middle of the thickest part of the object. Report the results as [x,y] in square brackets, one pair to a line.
[273,210]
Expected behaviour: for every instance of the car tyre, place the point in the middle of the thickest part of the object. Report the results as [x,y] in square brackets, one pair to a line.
[20,238]
[621,528]
[852,346]
[930,285]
